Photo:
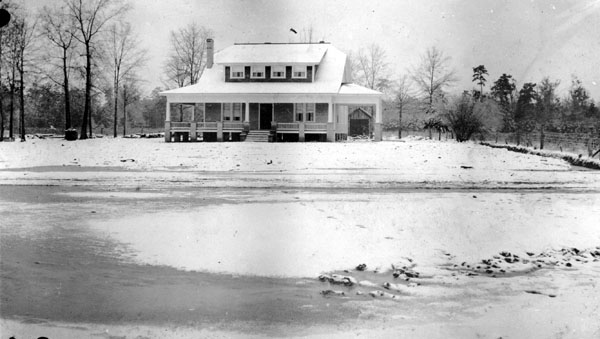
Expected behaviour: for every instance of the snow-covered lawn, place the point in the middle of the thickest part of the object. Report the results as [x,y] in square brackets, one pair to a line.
[301,209]
[299,164]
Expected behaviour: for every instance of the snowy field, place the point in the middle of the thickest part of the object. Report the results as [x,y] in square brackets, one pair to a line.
[355,164]
[502,244]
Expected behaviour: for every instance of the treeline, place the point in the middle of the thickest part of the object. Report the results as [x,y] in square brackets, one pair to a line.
[420,98]
[73,66]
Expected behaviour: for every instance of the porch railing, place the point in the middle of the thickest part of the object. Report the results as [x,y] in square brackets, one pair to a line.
[315,126]
[294,126]
[233,125]
[207,125]
[180,126]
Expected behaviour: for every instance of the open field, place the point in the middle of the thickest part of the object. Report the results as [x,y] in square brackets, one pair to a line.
[229,240]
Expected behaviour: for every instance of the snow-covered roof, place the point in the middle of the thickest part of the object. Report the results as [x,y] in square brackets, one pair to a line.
[272,54]
[354,89]
[329,78]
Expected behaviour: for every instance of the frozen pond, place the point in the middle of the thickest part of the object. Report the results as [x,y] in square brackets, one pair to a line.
[305,234]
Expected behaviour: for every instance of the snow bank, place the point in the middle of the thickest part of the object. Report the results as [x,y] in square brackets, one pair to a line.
[576,160]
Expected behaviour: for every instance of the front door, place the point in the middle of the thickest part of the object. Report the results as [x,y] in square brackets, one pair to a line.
[266,116]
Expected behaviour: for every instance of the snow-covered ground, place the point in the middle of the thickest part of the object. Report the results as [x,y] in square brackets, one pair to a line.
[353,164]
[301,209]
[311,233]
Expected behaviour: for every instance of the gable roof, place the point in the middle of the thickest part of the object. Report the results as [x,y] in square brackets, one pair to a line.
[330,78]
[269,53]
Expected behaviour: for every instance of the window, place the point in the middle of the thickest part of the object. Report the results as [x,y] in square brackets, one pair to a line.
[258,72]
[310,112]
[226,111]
[237,72]
[299,72]
[299,112]
[277,72]
[237,111]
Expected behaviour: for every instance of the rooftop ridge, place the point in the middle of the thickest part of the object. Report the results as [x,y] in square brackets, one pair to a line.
[281,43]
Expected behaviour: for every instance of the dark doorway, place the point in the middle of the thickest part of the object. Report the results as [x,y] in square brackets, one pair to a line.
[266,116]
[254,116]
[359,127]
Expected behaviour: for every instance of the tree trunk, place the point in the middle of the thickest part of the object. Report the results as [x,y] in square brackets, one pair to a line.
[1,95]
[116,94]
[124,111]
[90,131]
[1,115]
[542,137]
[66,91]
[11,118]
[439,135]
[400,123]
[88,90]
[22,102]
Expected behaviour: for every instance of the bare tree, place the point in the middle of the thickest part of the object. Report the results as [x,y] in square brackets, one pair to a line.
[126,58]
[9,54]
[130,93]
[432,75]
[25,31]
[373,68]
[59,28]
[187,60]
[91,17]
[403,95]
[4,50]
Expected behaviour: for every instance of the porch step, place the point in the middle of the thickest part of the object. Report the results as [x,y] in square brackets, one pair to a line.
[257,136]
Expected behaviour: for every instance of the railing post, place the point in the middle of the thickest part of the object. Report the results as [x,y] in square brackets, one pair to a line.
[167,131]
[301,136]
[330,132]
[193,132]
[219,131]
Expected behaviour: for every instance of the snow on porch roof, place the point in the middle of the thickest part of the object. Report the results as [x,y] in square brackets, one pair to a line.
[353,89]
[273,53]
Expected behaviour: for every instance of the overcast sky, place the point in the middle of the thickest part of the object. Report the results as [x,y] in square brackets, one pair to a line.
[527,39]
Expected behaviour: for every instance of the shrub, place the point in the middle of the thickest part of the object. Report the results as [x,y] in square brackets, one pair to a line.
[464,121]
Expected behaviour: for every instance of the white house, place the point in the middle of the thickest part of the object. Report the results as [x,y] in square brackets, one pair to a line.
[270,91]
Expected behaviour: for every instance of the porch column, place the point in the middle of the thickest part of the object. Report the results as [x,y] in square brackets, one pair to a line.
[168,115]
[220,131]
[193,131]
[193,112]
[168,122]
[247,112]
[301,135]
[378,118]
[330,111]
[330,123]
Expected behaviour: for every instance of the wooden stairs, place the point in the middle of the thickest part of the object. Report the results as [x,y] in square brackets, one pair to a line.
[258,136]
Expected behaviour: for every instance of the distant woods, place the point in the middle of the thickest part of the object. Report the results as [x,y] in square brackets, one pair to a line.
[421,98]
[69,67]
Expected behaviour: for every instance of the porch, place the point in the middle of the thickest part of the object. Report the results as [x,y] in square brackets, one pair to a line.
[322,118]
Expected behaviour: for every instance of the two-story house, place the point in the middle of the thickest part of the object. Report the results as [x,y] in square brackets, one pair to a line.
[274,91]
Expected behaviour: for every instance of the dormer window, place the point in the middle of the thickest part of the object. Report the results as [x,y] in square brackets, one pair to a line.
[258,72]
[277,72]
[299,72]
[237,72]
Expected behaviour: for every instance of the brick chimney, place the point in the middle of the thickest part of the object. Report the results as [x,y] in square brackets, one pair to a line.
[210,50]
